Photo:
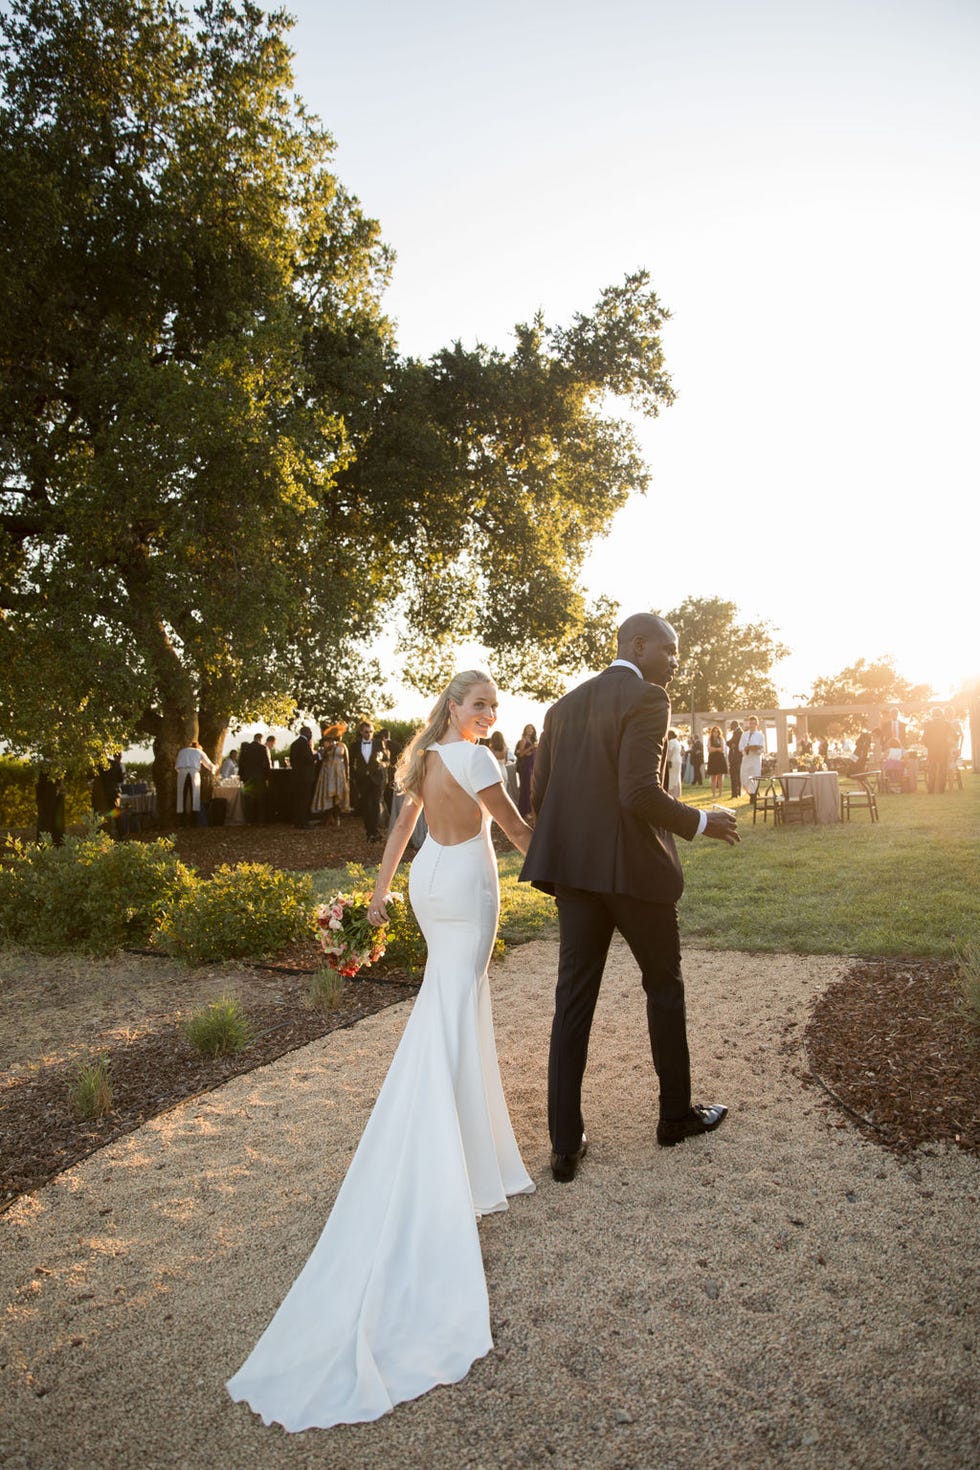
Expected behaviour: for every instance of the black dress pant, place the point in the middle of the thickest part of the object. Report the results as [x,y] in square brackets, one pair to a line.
[302,793]
[586,923]
[735,774]
[370,802]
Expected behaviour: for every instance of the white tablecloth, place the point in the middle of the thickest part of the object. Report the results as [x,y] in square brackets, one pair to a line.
[231,792]
[823,785]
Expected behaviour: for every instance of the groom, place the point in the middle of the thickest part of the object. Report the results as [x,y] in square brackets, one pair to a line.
[603,844]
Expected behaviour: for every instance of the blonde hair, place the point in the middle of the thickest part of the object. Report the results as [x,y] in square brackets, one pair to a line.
[411,766]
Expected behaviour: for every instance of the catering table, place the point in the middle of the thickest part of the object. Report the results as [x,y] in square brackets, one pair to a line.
[825,788]
[230,792]
[137,803]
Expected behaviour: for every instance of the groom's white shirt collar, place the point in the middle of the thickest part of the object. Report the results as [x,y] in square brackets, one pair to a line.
[624,663]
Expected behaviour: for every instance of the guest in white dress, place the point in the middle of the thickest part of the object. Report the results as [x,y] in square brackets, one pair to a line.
[675,761]
[753,748]
[393,1299]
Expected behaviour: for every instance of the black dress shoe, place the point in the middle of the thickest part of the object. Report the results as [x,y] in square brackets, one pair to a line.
[700,1119]
[564,1166]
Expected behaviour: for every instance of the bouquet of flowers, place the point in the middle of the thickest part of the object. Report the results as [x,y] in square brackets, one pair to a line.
[349,942]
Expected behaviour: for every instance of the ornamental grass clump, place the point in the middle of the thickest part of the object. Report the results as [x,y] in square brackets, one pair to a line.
[91,1092]
[968,962]
[326,989]
[220,1029]
[245,911]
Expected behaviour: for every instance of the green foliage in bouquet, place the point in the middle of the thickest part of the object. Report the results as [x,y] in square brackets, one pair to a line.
[92,894]
[405,949]
[250,910]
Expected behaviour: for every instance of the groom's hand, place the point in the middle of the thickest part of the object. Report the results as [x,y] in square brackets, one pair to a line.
[722,826]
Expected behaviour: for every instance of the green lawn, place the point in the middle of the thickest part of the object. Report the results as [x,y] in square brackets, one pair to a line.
[907,885]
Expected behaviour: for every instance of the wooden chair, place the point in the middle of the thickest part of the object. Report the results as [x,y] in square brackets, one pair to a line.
[798,799]
[865,797]
[766,799]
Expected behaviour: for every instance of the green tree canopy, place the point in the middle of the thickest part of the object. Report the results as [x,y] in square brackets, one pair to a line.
[724,664]
[877,682]
[219,480]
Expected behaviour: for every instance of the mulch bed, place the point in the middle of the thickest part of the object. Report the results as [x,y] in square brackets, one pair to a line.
[891,1042]
[159,1068]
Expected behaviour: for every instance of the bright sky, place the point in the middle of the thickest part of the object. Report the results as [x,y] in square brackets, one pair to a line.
[801,179]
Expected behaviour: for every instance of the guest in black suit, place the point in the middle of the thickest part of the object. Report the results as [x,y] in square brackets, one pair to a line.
[253,770]
[369,765]
[302,773]
[49,793]
[735,757]
[603,844]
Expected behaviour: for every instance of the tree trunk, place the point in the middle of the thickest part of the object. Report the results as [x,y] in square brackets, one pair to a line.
[212,730]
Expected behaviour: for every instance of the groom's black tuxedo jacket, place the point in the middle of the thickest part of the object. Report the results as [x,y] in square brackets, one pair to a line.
[603,819]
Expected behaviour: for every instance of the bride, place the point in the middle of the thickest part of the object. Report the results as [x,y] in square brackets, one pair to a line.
[393,1299]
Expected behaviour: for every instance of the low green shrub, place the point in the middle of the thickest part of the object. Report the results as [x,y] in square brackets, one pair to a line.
[222,1028]
[91,894]
[18,808]
[248,910]
[91,1092]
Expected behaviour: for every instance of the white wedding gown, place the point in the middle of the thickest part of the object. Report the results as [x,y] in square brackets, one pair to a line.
[393,1299]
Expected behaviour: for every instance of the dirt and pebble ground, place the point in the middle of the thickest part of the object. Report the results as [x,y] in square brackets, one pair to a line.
[787,1292]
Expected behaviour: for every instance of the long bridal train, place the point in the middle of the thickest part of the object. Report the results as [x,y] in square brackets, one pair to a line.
[393,1299]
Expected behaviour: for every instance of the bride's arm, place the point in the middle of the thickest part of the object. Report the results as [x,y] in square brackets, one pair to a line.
[401,831]
[506,815]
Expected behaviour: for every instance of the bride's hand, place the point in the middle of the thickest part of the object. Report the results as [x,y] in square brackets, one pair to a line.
[377,913]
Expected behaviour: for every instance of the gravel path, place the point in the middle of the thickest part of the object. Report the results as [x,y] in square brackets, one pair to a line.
[783,1293]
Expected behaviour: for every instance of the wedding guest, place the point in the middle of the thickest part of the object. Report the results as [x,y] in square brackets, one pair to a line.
[508,768]
[735,758]
[697,760]
[191,760]
[49,794]
[675,758]
[253,770]
[384,735]
[893,729]
[716,761]
[955,744]
[302,776]
[270,745]
[368,776]
[752,747]
[603,844]
[331,796]
[229,766]
[525,753]
[936,739]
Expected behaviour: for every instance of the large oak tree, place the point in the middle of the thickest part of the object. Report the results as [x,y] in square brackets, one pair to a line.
[219,479]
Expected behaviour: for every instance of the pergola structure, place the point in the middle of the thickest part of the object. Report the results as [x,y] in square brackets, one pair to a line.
[871,713]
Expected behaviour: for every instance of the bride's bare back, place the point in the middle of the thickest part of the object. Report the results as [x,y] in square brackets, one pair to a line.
[451,814]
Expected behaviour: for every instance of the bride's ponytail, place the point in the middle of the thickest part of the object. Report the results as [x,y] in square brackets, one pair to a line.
[411,764]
